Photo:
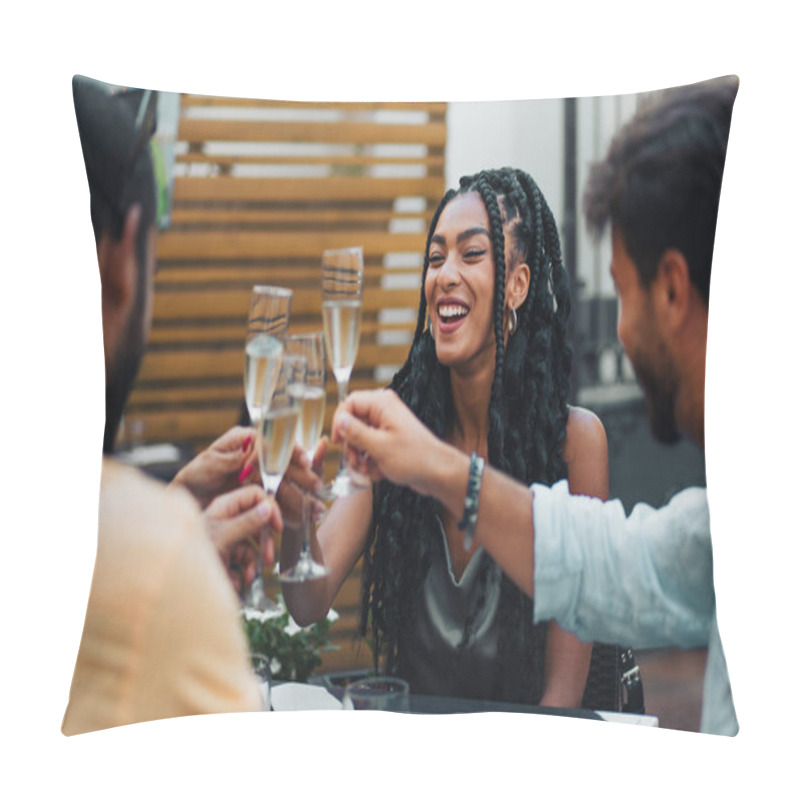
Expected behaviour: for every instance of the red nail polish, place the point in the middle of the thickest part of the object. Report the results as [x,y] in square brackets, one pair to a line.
[245,472]
[246,443]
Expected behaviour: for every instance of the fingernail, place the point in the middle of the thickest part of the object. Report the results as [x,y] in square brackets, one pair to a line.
[344,421]
[264,509]
[245,472]
[246,443]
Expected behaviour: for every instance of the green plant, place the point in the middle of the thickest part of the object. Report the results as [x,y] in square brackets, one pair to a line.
[293,652]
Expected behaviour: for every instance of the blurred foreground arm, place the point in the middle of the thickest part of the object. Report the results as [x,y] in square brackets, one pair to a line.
[239,521]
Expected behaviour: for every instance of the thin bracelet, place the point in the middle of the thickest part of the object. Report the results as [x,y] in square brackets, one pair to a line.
[470,518]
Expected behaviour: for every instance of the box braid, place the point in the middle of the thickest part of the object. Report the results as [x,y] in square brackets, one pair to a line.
[530,388]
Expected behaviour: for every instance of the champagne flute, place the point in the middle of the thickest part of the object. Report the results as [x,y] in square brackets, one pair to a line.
[307,435]
[274,443]
[267,324]
[342,291]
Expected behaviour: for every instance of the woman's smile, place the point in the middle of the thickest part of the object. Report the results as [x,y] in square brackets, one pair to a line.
[451,314]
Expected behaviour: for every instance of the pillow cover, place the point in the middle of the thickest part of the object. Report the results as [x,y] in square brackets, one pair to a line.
[251,191]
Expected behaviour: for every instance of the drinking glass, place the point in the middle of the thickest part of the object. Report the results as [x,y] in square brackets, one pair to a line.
[275,435]
[342,292]
[267,324]
[262,671]
[377,694]
[311,346]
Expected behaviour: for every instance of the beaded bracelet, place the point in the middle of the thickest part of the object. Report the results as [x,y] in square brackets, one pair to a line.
[470,518]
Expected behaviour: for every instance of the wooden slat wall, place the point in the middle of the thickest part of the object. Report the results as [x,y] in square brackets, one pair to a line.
[261,189]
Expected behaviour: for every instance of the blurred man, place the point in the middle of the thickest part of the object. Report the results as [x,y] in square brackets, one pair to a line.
[162,635]
[645,580]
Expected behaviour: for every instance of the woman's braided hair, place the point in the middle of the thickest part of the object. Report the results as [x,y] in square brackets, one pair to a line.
[527,428]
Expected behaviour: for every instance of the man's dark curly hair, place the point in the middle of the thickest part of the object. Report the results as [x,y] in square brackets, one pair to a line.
[527,429]
[660,182]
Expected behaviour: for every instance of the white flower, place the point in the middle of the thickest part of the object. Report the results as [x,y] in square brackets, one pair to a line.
[292,628]
[260,616]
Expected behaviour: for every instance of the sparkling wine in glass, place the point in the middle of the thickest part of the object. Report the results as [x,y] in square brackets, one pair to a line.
[274,444]
[311,397]
[342,292]
[267,325]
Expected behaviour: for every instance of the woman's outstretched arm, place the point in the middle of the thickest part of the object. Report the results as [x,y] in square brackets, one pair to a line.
[337,543]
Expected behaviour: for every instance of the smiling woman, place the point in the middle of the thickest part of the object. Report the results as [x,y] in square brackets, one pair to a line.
[488,372]
[459,283]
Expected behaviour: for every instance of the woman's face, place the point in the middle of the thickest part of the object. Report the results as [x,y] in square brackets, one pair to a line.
[459,284]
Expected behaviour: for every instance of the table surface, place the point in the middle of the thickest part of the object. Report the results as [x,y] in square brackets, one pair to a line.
[313,696]
[433,704]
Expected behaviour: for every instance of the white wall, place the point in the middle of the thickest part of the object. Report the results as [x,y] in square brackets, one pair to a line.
[529,135]
[521,133]
[599,118]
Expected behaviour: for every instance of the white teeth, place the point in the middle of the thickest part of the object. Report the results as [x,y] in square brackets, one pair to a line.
[451,312]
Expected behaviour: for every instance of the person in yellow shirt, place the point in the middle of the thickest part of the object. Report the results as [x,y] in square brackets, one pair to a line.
[162,636]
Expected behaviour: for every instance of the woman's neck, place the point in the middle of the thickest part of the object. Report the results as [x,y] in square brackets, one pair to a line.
[471,394]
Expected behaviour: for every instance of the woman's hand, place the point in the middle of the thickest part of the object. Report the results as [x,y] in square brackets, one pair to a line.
[302,475]
[240,524]
[225,464]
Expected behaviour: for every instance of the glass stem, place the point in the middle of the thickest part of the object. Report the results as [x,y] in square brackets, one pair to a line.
[304,550]
[271,495]
[342,387]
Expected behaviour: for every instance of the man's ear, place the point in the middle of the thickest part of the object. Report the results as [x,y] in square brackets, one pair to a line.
[517,285]
[118,265]
[673,286]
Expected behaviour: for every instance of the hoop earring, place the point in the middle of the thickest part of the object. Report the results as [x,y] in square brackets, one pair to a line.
[512,320]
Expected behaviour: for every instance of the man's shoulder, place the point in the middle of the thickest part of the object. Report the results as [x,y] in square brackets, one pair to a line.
[155,531]
[126,485]
[680,528]
[692,499]
[134,504]
[687,507]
